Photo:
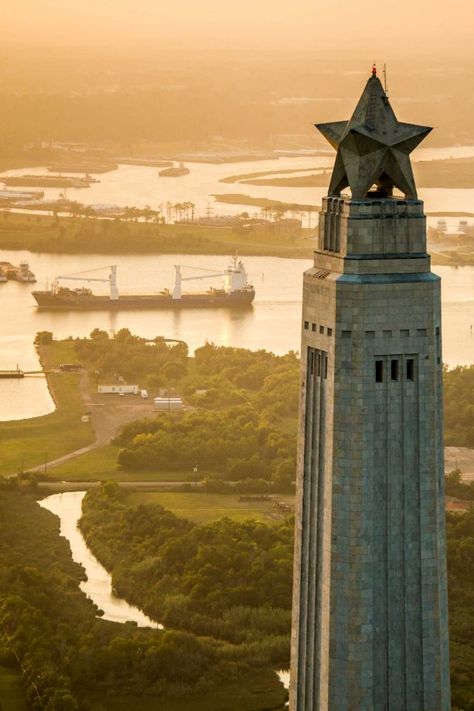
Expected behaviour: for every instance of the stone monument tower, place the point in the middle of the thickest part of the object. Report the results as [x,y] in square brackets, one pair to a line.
[370,628]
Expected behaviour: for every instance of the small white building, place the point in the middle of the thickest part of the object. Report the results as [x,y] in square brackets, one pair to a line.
[121,389]
[168,404]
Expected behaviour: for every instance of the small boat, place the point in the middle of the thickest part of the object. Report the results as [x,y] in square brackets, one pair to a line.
[24,274]
[174,172]
[21,273]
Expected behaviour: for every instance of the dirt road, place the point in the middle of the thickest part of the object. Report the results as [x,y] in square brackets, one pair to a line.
[55,486]
[109,413]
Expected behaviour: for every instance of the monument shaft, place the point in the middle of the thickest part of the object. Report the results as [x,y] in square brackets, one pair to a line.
[370,607]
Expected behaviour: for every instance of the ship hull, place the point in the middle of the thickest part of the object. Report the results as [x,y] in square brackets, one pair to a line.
[50,301]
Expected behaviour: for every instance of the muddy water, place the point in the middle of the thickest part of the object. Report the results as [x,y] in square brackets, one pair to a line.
[98,586]
[273,322]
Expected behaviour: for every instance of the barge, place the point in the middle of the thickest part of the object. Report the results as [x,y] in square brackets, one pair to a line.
[9,374]
[174,172]
[46,181]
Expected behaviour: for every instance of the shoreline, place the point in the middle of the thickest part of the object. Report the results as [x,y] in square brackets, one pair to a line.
[38,440]
[44,234]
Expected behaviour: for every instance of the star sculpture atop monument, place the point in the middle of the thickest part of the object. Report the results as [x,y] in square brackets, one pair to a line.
[373,148]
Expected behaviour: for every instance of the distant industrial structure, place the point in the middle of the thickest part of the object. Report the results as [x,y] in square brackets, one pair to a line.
[168,404]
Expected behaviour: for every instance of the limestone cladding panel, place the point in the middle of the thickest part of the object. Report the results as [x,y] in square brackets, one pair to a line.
[372,227]
[319,309]
[386,478]
[381,612]
[383,474]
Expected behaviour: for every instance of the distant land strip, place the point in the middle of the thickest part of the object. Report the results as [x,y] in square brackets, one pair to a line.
[240,199]
[454,173]
[263,173]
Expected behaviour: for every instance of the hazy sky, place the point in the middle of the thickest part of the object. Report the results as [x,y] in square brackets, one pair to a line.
[397,27]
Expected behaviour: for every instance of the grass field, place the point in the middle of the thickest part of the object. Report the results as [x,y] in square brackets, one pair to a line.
[260,691]
[204,508]
[101,463]
[30,441]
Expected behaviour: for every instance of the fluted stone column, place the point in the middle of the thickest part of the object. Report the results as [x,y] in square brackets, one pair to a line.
[370,629]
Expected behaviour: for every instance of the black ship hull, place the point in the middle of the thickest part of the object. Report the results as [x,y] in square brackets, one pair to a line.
[91,302]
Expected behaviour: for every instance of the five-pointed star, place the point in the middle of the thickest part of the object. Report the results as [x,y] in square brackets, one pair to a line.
[373,148]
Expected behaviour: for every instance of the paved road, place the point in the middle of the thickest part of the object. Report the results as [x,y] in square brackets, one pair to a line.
[145,485]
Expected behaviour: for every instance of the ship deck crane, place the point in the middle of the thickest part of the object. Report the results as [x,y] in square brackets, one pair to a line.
[210,274]
[78,276]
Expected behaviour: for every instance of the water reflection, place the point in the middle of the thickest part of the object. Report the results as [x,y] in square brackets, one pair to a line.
[273,323]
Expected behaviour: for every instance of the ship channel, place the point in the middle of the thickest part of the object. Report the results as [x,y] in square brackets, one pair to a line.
[273,316]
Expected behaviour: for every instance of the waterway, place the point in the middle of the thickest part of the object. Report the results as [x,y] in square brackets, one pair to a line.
[273,323]
[98,586]
[138,186]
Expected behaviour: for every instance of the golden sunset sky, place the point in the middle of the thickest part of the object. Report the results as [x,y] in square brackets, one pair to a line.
[398,27]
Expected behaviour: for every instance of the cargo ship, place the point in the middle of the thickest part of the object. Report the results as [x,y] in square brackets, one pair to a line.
[235,292]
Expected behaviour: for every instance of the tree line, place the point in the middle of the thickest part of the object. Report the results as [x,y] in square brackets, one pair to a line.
[244,419]
[229,580]
[459,406]
[71,659]
[233,580]
[243,426]
[223,591]
[151,362]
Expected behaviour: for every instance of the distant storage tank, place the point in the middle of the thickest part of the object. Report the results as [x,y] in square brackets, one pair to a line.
[167,404]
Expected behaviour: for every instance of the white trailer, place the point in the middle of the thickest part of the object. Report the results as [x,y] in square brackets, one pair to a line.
[168,404]
[123,389]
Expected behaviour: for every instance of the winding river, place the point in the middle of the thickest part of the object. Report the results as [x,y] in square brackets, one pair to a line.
[98,586]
